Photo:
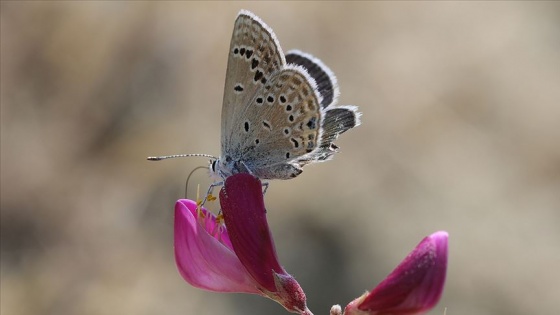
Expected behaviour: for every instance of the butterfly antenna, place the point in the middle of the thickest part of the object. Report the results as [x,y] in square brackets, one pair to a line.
[165,157]
[189,177]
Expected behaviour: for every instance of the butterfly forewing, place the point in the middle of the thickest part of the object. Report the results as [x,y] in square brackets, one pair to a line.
[253,56]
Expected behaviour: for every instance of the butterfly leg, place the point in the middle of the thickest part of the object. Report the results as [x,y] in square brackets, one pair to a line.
[209,196]
[265,185]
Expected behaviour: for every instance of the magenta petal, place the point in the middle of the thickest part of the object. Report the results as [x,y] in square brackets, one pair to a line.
[202,259]
[242,204]
[414,287]
[290,294]
[245,216]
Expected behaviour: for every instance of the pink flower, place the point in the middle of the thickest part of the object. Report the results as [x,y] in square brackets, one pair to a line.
[241,258]
[414,287]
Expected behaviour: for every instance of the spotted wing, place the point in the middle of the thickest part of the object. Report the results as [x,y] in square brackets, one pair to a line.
[281,125]
[254,55]
[323,76]
[337,119]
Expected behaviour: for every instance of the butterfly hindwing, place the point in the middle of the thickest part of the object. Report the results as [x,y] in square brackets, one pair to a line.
[287,126]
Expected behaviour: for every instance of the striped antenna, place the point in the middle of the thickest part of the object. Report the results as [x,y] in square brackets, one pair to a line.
[165,157]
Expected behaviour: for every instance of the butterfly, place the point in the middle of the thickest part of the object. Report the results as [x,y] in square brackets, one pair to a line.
[279,110]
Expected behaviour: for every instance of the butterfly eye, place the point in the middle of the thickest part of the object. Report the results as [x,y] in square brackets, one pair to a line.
[213,166]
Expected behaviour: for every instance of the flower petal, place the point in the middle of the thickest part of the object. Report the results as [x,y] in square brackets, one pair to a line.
[244,213]
[290,294]
[202,259]
[245,217]
[414,287]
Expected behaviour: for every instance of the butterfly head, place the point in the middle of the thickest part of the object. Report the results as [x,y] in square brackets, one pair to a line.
[226,166]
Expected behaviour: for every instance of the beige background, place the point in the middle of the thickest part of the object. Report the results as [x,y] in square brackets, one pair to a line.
[461,116]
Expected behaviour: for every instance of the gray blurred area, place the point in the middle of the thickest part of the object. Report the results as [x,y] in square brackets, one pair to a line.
[460,132]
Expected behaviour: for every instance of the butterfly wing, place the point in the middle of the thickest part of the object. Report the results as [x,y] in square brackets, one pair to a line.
[323,76]
[254,55]
[337,119]
[276,118]
[281,125]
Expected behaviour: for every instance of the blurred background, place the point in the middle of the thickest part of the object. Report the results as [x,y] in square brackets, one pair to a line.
[460,132]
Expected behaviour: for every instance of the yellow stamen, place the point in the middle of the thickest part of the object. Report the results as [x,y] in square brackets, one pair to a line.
[199,212]
[220,218]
